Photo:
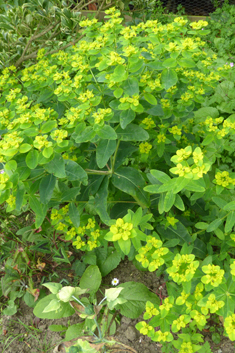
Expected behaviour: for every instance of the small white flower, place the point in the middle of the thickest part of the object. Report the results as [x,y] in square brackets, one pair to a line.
[231,64]
[2,171]
[115,282]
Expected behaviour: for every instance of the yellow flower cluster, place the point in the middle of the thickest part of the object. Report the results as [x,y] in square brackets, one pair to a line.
[84,97]
[129,32]
[129,50]
[11,201]
[115,59]
[3,180]
[41,141]
[186,347]
[175,130]
[72,115]
[183,268]
[214,275]
[212,304]
[199,24]
[145,147]
[195,171]
[223,179]
[167,304]
[59,135]
[149,123]
[229,325]
[151,255]
[161,138]
[165,103]
[100,115]
[121,230]
[87,22]
[182,21]
[13,94]
[132,100]
[10,141]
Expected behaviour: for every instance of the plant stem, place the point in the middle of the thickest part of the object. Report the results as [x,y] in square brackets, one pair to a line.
[102,301]
[98,328]
[78,301]
[113,160]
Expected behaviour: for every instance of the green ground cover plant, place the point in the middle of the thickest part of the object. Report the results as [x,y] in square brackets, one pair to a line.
[123,145]
[221,24]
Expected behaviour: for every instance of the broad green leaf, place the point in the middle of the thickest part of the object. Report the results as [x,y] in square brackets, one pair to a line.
[66,309]
[74,331]
[74,214]
[25,148]
[32,159]
[136,295]
[53,287]
[19,195]
[86,135]
[161,176]
[107,133]
[46,188]
[125,246]
[131,86]
[169,201]
[219,201]
[194,185]
[100,201]
[204,112]
[199,249]
[75,172]
[161,203]
[91,279]
[57,328]
[180,233]
[201,225]
[179,203]
[230,221]
[214,225]
[130,180]
[48,126]
[104,151]
[186,62]
[153,189]
[110,263]
[118,92]
[23,172]
[56,166]
[150,98]
[39,210]
[132,133]
[169,63]
[126,117]
[69,194]
[169,78]
[230,206]
[47,152]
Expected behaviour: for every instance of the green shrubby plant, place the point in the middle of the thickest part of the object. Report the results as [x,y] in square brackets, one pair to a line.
[27,26]
[130,127]
[221,24]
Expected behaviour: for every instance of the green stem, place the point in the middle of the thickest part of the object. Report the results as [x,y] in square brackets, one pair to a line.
[98,172]
[102,301]
[35,177]
[113,160]
[98,328]
[77,300]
